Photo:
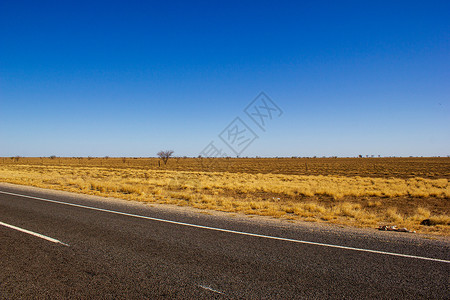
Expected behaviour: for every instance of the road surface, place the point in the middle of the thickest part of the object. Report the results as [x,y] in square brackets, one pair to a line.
[63,245]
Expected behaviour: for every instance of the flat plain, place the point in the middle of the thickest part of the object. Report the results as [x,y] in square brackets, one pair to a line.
[360,192]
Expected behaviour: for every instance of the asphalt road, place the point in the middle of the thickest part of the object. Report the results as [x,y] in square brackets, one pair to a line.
[121,251]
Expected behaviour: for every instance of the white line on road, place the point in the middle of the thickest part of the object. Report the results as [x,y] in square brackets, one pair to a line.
[34,233]
[209,289]
[233,231]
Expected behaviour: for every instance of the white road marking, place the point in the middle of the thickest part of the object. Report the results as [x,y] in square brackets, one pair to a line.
[34,233]
[233,231]
[210,289]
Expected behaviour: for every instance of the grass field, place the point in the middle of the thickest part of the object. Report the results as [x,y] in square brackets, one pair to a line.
[436,168]
[363,192]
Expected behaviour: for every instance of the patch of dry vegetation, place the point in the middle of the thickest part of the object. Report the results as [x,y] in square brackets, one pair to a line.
[358,201]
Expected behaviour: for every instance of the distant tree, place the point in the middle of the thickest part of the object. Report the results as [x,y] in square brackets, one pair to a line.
[165,155]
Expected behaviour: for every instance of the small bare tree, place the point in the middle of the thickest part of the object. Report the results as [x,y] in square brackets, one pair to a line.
[165,155]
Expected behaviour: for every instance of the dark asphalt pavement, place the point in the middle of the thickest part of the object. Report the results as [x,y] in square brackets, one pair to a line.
[113,256]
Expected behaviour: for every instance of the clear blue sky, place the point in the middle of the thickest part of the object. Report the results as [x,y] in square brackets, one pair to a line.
[129,78]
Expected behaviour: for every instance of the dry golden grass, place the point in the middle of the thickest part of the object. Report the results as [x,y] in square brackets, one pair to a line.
[357,201]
